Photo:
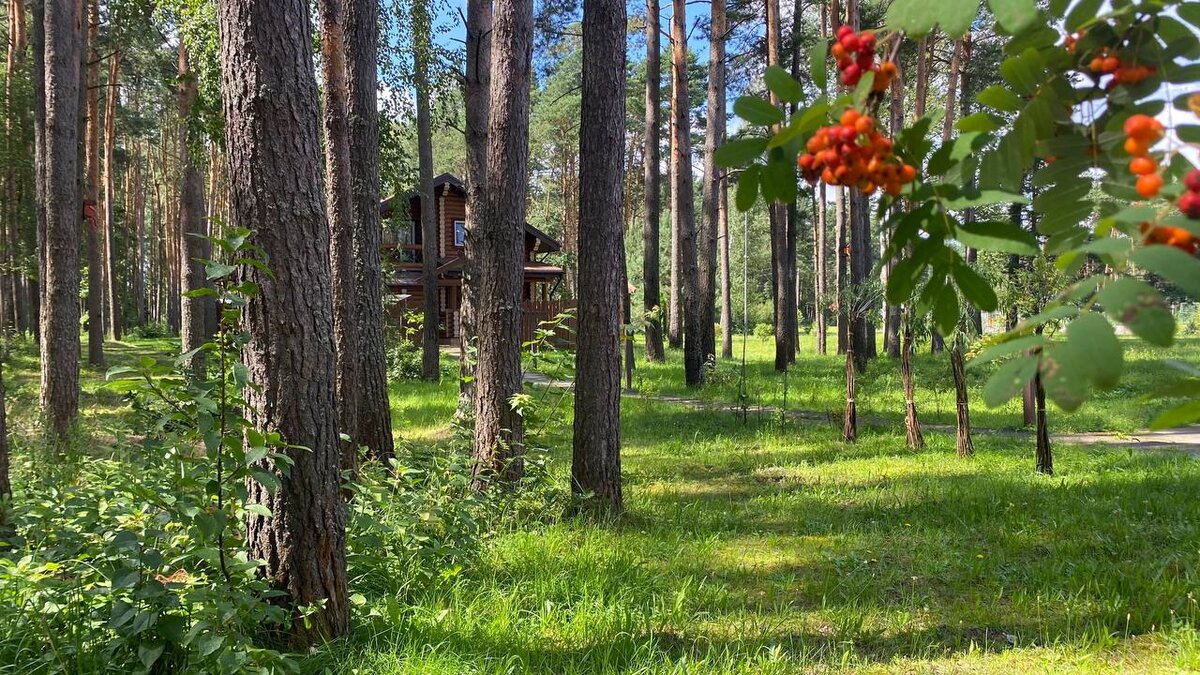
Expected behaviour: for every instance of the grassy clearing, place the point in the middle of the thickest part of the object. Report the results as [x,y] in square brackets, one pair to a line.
[817,383]
[750,548]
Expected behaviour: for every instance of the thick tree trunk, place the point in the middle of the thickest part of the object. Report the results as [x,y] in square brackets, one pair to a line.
[112,310]
[91,193]
[499,429]
[782,288]
[861,331]
[651,286]
[12,192]
[675,304]
[63,94]
[476,89]
[820,299]
[273,146]
[362,79]
[431,325]
[193,319]
[37,43]
[596,460]
[684,206]
[339,203]
[711,194]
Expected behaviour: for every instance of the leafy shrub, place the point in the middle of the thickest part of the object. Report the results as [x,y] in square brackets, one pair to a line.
[764,331]
[150,330]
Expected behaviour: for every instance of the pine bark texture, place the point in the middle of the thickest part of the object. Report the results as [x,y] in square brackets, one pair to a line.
[962,418]
[362,81]
[193,323]
[113,314]
[61,197]
[477,87]
[499,429]
[912,424]
[651,285]
[684,203]
[596,460]
[274,152]
[431,326]
[91,193]
[339,203]
[783,289]
[714,137]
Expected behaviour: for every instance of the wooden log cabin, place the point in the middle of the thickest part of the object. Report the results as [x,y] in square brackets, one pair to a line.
[402,258]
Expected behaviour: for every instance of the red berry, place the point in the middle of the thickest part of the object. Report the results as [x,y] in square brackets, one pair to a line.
[851,42]
[1192,181]
[867,40]
[844,30]
[1189,204]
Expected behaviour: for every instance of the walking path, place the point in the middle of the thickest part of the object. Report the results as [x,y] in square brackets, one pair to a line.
[1183,439]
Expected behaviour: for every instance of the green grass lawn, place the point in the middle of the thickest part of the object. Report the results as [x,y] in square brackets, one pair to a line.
[751,548]
[755,547]
[817,383]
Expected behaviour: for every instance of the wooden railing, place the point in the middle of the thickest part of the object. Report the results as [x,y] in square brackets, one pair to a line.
[536,312]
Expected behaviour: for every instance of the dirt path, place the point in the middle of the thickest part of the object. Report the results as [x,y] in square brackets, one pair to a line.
[1184,439]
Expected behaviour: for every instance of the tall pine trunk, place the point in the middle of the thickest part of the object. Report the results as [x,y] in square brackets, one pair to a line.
[711,194]
[362,79]
[912,424]
[499,429]
[62,94]
[431,326]
[91,194]
[339,203]
[475,98]
[193,322]
[683,207]
[783,290]
[726,271]
[274,150]
[596,459]
[675,303]
[112,311]
[651,286]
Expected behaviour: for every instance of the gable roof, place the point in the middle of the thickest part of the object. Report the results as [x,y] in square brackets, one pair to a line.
[544,242]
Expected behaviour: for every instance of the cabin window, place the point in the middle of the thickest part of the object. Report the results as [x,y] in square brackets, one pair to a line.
[460,233]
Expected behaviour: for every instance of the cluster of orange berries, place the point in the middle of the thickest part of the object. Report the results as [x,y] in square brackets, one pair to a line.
[855,55]
[1141,132]
[1171,236]
[1107,63]
[1189,201]
[1071,40]
[854,153]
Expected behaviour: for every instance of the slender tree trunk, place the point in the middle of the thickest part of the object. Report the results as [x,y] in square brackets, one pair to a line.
[339,202]
[711,194]
[842,257]
[61,196]
[862,330]
[273,146]
[91,197]
[362,79]
[1045,459]
[422,27]
[113,311]
[782,289]
[499,429]
[596,460]
[37,42]
[726,287]
[963,442]
[820,299]
[850,419]
[912,424]
[477,85]
[193,320]
[651,290]
[675,306]
[684,206]
[11,210]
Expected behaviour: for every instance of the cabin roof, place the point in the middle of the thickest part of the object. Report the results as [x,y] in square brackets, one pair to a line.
[545,243]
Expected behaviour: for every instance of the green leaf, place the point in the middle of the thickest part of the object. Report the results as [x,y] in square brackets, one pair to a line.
[149,653]
[974,287]
[1092,334]
[1083,12]
[216,270]
[918,17]
[1014,15]
[985,198]
[747,188]
[997,235]
[1019,345]
[739,152]
[783,85]
[1171,264]
[1008,380]
[757,111]
[1064,368]
[1178,416]
[258,509]
[1001,98]
[946,311]
[1141,308]
[816,63]
[1024,72]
